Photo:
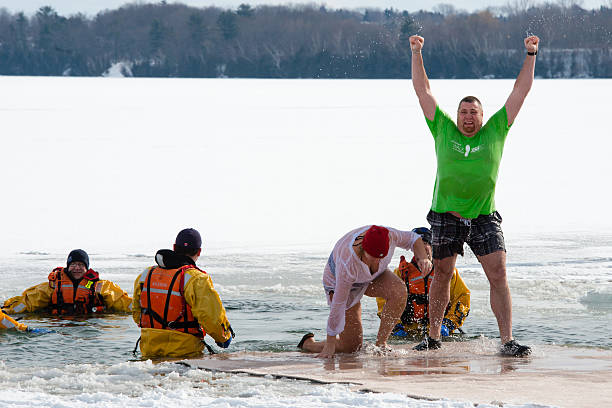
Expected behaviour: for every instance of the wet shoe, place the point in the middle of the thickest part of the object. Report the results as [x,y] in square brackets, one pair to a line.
[428,344]
[513,349]
[306,337]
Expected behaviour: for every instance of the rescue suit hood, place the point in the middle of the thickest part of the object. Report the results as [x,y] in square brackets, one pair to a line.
[168,259]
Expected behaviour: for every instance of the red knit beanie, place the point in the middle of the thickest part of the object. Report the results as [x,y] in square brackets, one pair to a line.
[376,241]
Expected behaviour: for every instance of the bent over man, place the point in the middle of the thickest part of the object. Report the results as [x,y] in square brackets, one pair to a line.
[176,305]
[463,205]
[356,267]
[72,290]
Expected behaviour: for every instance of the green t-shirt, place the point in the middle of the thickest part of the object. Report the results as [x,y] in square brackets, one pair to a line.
[467,166]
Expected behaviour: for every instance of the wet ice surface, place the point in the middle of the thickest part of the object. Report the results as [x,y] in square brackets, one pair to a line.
[480,356]
[144,384]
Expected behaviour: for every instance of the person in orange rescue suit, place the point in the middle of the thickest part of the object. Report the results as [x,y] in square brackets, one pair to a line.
[176,305]
[72,290]
[414,321]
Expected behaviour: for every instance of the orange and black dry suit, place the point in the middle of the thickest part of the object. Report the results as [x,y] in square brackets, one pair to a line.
[176,305]
[61,295]
[71,297]
[415,318]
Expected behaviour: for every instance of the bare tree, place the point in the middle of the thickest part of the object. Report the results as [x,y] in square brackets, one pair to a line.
[518,7]
[567,4]
[445,9]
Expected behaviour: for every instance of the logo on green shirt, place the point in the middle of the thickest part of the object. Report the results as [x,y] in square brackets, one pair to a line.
[467,166]
[465,151]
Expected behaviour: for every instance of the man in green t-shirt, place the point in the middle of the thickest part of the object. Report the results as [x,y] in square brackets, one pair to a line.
[463,205]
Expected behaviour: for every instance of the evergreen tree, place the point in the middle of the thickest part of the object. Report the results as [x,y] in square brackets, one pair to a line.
[47,19]
[197,30]
[227,25]
[156,36]
[408,27]
[245,10]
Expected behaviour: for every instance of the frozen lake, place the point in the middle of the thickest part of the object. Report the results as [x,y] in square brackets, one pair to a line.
[273,172]
[259,162]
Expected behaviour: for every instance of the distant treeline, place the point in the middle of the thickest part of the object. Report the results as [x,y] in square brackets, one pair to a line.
[174,40]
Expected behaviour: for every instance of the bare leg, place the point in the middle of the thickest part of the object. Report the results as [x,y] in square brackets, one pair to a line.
[494,266]
[387,286]
[391,288]
[351,338]
[439,293]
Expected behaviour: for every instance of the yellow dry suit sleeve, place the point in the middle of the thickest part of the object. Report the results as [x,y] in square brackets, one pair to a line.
[31,300]
[459,306]
[206,305]
[115,298]
[136,300]
[380,302]
[7,322]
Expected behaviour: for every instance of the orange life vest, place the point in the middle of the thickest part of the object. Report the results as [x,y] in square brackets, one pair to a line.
[418,292]
[162,301]
[66,299]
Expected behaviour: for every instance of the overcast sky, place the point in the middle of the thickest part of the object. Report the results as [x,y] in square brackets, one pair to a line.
[91,7]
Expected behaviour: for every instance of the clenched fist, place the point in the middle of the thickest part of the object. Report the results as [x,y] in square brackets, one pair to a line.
[531,43]
[416,43]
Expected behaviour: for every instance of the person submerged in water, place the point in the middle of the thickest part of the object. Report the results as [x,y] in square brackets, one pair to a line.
[414,321]
[357,266]
[71,290]
[176,304]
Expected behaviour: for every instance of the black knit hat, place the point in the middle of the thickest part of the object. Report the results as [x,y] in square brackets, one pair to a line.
[188,239]
[78,255]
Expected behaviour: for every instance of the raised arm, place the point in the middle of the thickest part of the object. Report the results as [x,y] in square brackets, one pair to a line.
[420,82]
[523,81]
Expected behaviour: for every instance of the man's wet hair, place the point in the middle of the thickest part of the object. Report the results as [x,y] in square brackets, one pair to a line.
[469,99]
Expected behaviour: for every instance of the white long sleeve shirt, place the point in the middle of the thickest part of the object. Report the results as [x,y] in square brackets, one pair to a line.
[348,277]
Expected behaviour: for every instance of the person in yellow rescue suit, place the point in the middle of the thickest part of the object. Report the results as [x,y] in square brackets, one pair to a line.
[73,290]
[7,322]
[176,305]
[415,319]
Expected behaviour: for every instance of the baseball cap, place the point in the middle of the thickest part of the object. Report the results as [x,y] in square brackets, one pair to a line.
[189,238]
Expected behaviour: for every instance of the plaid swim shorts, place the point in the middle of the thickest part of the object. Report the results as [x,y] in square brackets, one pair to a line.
[483,234]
